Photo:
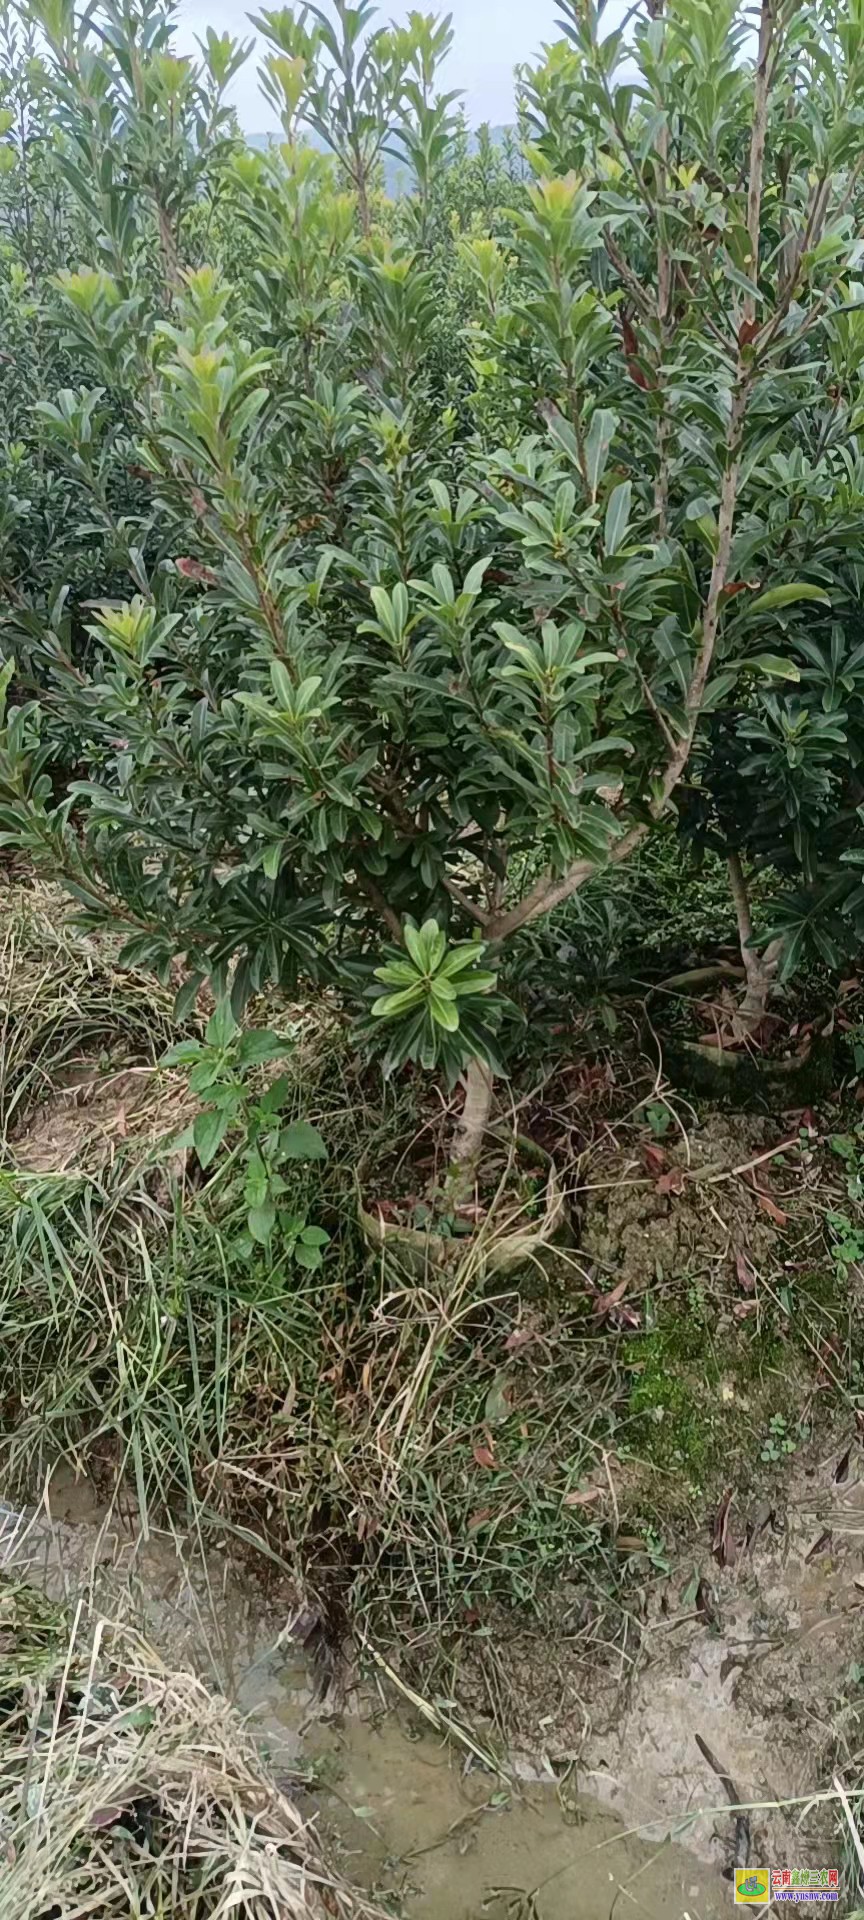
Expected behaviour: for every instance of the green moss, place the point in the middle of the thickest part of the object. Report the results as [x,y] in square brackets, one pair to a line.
[678,1419]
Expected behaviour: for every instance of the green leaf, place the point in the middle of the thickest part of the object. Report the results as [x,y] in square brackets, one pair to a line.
[260,1045]
[465,955]
[302,1142]
[221,1026]
[617,516]
[282,685]
[308,1257]
[597,444]
[276,1094]
[204,1075]
[391,1004]
[6,672]
[444,1012]
[261,1221]
[786,596]
[182,1055]
[208,1131]
[774,666]
[315,1237]
[478,982]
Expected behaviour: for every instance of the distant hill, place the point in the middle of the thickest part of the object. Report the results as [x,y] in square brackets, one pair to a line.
[397,173]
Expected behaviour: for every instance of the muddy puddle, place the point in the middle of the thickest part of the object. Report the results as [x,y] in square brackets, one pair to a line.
[610,1807]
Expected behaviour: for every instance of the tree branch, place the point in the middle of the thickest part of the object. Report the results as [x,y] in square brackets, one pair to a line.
[466,905]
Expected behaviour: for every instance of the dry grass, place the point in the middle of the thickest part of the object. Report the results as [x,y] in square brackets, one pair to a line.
[79,1039]
[128,1789]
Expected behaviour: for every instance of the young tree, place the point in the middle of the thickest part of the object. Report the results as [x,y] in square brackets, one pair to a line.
[391,682]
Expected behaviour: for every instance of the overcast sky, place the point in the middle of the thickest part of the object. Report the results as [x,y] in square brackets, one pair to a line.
[490,36]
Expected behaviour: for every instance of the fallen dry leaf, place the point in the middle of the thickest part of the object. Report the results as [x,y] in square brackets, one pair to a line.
[606,1301]
[628,1543]
[583,1497]
[722,1544]
[841,1471]
[770,1207]
[742,1308]
[519,1338]
[671,1182]
[655,1159]
[746,1273]
[484,1456]
[479,1517]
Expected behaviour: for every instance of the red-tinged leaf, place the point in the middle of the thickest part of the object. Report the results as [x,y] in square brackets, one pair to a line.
[519,1338]
[672,1182]
[628,335]
[738,586]
[770,1207]
[193,570]
[743,1308]
[655,1159]
[747,332]
[484,1456]
[583,1497]
[480,1517]
[106,1816]
[746,1274]
[606,1301]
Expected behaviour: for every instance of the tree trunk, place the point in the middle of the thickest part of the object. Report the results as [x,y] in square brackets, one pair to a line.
[471,1127]
[760,969]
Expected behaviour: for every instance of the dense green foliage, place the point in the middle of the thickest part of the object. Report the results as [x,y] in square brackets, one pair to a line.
[449,545]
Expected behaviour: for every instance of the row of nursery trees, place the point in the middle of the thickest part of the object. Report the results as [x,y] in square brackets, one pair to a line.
[404,565]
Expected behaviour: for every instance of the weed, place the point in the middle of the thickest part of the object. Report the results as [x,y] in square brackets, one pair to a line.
[783,1438]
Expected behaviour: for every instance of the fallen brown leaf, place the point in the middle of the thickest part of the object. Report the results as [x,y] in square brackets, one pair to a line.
[722,1544]
[484,1456]
[583,1497]
[605,1301]
[746,1274]
[770,1207]
[519,1338]
[671,1182]
[655,1159]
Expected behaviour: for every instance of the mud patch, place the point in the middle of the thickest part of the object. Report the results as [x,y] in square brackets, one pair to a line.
[690,1212]
[762,1658]
[435,1835]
